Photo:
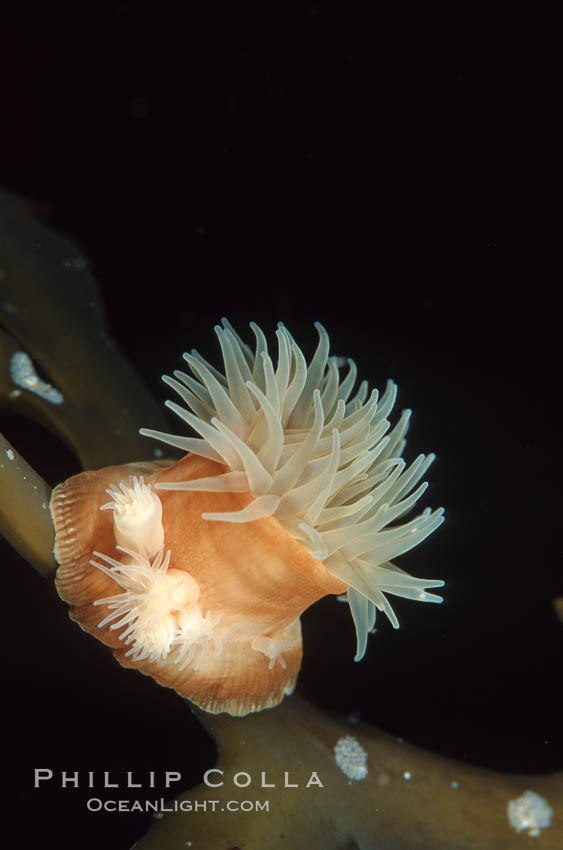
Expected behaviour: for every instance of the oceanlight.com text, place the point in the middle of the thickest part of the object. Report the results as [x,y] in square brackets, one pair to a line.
[161,807]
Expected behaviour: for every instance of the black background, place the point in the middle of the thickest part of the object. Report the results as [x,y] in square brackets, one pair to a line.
[394,171]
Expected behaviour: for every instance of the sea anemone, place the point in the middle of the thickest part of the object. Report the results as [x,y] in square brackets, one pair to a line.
[291,491]
[154,606]
[137,515]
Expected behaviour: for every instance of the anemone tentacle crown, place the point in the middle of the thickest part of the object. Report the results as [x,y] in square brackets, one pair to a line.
[291,491]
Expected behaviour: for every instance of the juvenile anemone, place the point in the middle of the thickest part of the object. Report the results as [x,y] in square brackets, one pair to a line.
[154,598]
[291,491]
[137,515]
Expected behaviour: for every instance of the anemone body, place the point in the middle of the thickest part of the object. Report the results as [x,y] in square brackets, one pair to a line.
[291,491]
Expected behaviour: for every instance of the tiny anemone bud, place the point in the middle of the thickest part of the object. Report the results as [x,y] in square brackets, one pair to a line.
[270,649]
[196,637]
[137,516]
[273,649]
